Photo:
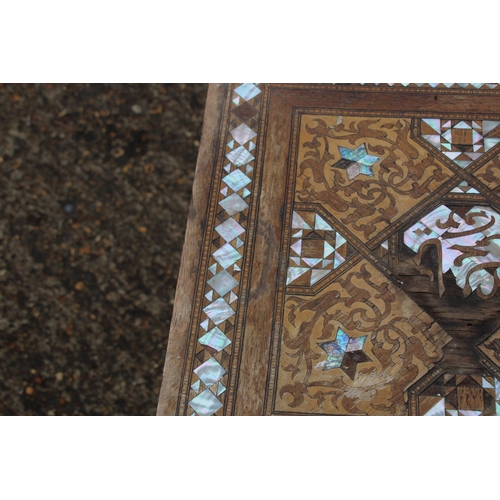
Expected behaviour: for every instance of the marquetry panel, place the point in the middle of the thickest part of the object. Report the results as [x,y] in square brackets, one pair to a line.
[343,255]
[366,171]
[355,347]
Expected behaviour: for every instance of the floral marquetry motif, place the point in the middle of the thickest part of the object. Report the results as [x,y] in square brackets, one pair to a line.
[391,341]
[489,174]
[342,255]
[366,171]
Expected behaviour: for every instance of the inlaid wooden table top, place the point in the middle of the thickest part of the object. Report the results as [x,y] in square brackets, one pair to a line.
[342,254]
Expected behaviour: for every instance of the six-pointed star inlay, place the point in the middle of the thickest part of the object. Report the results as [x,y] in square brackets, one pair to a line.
[344,352]
[356,161]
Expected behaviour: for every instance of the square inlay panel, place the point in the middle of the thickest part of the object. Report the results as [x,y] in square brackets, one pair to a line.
[342,255]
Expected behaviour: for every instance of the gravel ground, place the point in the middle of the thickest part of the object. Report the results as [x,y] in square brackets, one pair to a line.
[95,188]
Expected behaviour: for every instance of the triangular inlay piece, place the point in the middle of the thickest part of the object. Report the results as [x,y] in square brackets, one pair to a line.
[317,274]
[339,241]
[474,156]
[476,137]
[463,125]
[299,223]
[328,249]
[297,247]
[294,273]
[321,224]
[311,262]
[489,143]
[434,123]
[489,125]
[338,259]
[486,384]
[435,140]
[437,410]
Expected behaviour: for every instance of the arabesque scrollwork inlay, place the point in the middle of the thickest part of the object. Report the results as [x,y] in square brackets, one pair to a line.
[397,174]
[397,344]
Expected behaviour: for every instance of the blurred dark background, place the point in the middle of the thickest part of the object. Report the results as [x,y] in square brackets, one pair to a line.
[95,188]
